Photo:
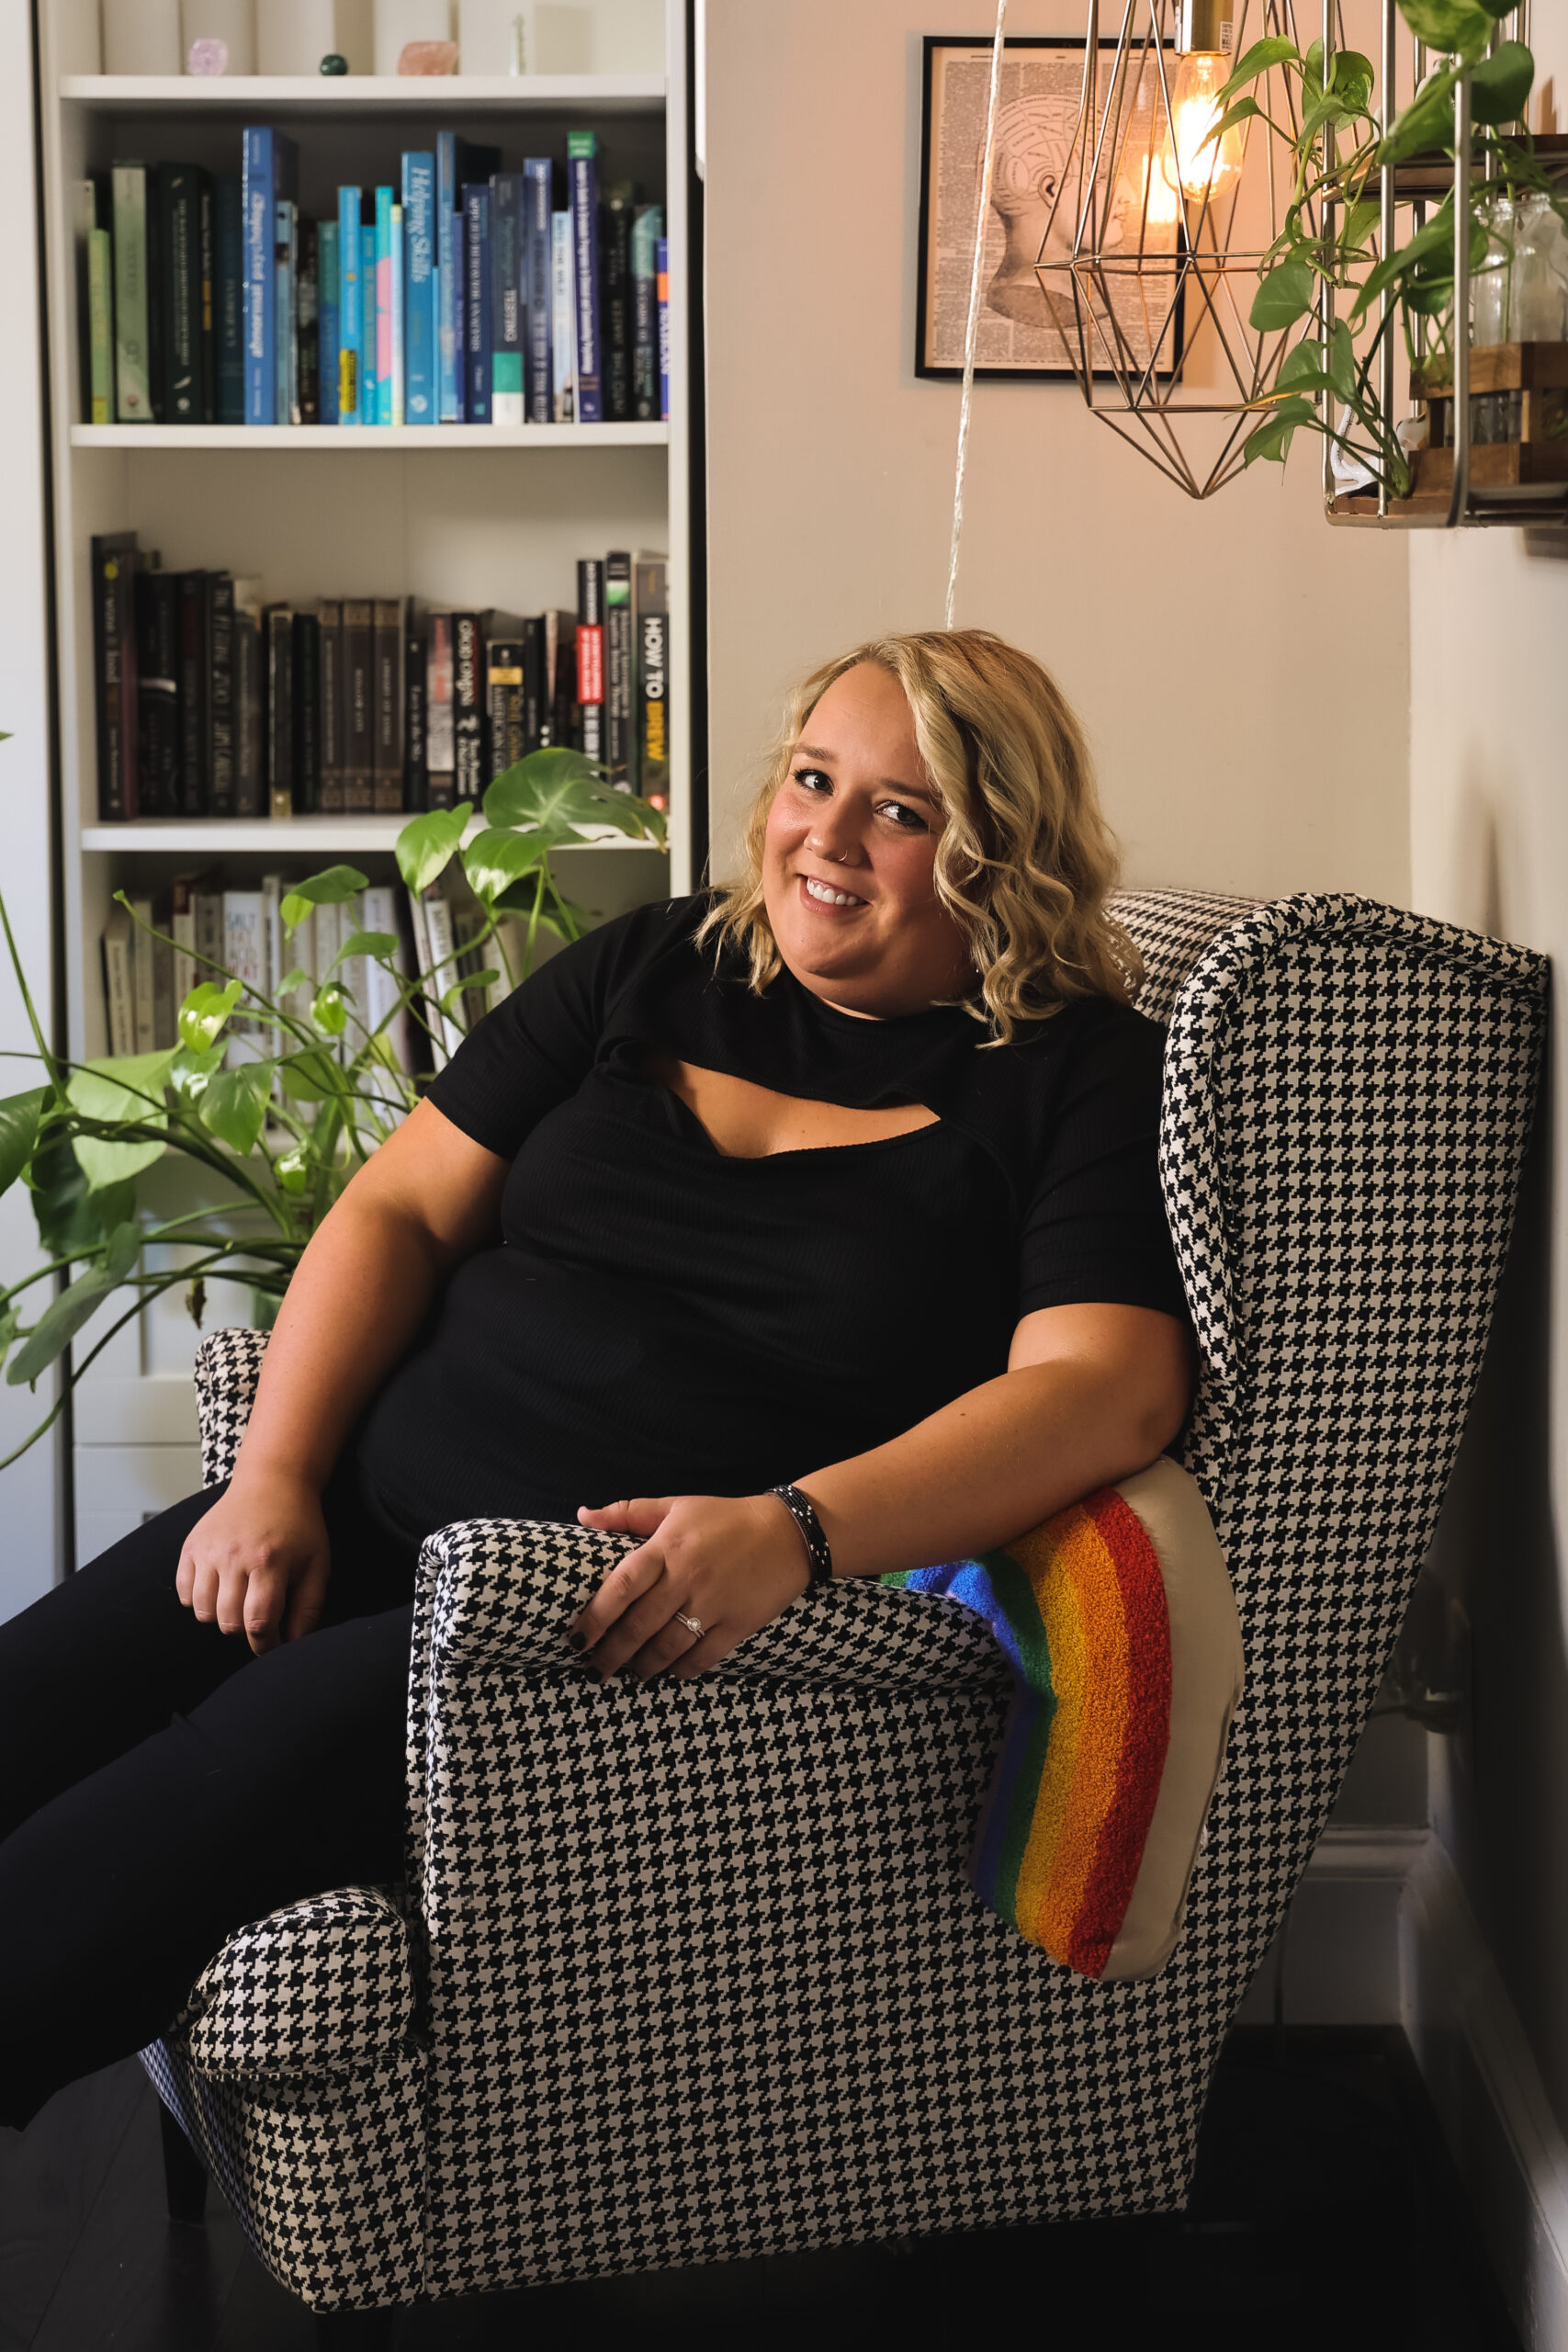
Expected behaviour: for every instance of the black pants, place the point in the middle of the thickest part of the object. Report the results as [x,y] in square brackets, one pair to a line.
[160,1786]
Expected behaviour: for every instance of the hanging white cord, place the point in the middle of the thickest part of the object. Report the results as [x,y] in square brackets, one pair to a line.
[972,331]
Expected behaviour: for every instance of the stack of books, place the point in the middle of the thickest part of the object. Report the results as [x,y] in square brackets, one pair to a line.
[213,702]
[203,926]
[460,293]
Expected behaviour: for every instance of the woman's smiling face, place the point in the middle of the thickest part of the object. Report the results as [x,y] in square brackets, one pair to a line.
[849,857]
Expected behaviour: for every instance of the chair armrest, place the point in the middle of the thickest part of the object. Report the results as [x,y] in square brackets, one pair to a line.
[227,1366]
[498,1594]
[322,1987]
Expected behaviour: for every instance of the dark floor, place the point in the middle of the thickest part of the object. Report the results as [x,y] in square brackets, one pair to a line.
[1326,2214]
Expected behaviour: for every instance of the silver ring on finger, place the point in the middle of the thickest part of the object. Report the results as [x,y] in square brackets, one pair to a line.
[694,1625]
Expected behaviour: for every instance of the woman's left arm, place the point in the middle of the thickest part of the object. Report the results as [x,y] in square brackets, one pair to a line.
[1090,1395]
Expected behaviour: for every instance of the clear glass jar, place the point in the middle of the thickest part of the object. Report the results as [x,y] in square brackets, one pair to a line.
[1538,299]
[1492,287]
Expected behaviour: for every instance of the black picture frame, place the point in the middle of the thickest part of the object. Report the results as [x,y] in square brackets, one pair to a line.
[946,370]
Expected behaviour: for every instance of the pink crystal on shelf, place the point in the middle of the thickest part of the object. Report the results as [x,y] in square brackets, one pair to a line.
[428,57]
[207,58]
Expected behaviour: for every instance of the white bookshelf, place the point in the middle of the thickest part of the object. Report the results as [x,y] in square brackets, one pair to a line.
[459,515]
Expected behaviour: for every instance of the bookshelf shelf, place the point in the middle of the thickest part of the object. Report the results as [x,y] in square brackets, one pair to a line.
[479,437]
[299,97]
[212,836]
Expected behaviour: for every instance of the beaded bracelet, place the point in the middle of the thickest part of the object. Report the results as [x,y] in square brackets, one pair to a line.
[819,1556]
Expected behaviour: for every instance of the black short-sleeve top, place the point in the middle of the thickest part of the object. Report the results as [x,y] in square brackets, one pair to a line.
[660,1319]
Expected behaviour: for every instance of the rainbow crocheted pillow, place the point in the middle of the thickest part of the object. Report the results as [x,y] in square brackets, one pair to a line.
[1119,1623]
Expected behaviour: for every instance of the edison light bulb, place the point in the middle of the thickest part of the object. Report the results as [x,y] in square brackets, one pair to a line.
[1197,168]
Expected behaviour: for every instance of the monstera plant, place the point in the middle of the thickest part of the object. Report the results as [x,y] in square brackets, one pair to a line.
[278,1133]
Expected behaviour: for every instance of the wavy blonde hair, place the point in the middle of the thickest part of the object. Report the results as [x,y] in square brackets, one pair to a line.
[1025,863]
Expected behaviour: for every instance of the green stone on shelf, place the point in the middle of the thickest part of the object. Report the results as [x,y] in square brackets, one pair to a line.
[334,63]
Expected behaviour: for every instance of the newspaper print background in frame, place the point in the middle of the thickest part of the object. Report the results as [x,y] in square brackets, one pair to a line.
[1039,94]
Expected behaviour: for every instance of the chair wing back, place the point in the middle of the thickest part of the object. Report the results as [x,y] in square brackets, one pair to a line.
[1349,1093]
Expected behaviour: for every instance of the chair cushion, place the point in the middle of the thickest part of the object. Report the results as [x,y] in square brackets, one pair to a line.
[1118,1618]
[322,1987]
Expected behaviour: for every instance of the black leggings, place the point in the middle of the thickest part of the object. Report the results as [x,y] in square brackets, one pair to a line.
[160,1786]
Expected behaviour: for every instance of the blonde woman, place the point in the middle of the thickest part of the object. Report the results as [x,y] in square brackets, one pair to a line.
[815,1223]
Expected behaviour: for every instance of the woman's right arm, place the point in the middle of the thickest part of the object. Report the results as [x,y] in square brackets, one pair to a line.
[258,1562]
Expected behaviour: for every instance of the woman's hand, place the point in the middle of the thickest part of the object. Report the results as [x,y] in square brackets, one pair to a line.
[730,1563]
[259,1561]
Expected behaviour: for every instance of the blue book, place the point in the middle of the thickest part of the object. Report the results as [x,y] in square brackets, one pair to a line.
[229,307]
[477,335]
[368,338]
[421,392]
[538,387]
[582,184]
[350,324]
[507,298]
[456,161]
[328,301]
[460,314]
[383,306]
[269,173]
[286,315]
[663,257]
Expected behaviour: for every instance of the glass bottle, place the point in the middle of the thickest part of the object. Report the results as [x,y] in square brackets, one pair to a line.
[1537,302]
[1491,293]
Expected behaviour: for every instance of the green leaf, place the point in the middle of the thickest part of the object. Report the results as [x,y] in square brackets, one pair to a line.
[1275,50]
[1312,70]
[1284,296]
[1358,225]
[55,1329]
[71,1219]
[1302,370]
[1427,121]
[310,1076]
[205,1012]
[329,1009]
[495,859]
[485,979]
[376,944]
[426,845]
[1243,111]
[1437,237]
[1351,75]
[296,978]
[191,1072]
[10,1323]
[1273,437]
[125,1093]
[451,999]
[332,887]
[1342,361]
[1453,26]
[234,1105]
[554,791]
[292,1169]
[19,1116]
[1501,83]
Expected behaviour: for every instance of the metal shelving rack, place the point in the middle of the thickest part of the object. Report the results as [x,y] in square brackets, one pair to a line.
[1418,183]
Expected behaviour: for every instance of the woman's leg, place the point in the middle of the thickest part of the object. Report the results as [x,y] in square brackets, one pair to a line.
[104,1660]
[287,1780]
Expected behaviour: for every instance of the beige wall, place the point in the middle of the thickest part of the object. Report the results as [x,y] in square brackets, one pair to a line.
[1240,667]
[1489,847]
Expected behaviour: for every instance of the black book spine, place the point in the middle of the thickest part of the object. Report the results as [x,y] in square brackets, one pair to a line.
[308,311]
[207,318]
[503,704]
[467,707]
[179,231]
[157,695]
[619,752]
[415,688]
[279,711]
[357,704]
[615,294]
[156,300]
[250,716]
[535,708]
[591,658]
[114,661]
[306,713]
[194,681]
[220,712]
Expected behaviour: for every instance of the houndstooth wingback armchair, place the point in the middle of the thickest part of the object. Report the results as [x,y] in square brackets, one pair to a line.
[691,1971]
